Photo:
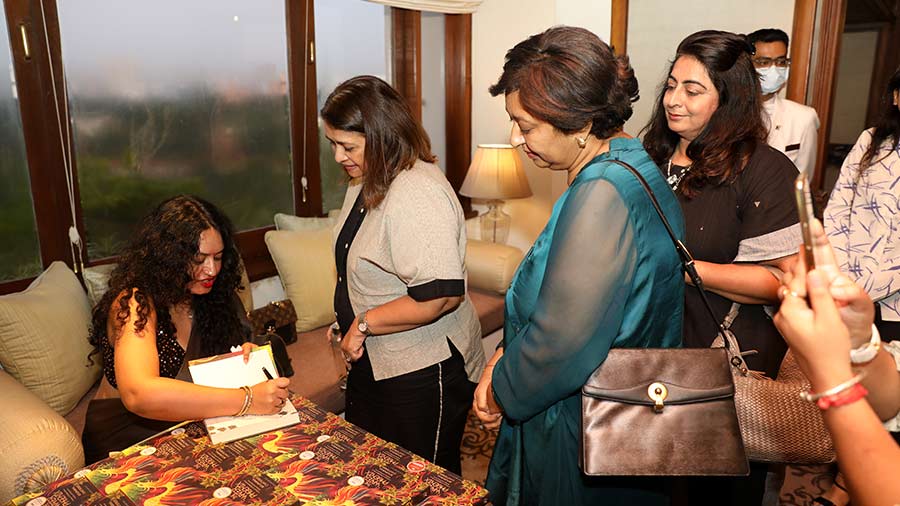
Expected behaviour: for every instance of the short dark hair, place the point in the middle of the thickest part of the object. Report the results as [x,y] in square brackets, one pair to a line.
[394,138]
[721,151]
[768,35]
[568,77]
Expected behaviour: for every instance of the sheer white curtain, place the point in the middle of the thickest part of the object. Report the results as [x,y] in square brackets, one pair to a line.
[443,6]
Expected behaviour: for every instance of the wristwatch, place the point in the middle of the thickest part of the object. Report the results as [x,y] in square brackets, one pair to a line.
[363,325]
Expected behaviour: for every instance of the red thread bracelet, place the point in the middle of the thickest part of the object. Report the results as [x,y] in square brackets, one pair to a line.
[848,396]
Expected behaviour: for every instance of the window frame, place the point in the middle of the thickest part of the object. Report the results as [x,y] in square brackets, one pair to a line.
[39,112]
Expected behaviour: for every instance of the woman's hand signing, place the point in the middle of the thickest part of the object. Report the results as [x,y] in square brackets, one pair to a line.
[269,396]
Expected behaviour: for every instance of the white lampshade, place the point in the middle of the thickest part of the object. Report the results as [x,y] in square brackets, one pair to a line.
[496,174]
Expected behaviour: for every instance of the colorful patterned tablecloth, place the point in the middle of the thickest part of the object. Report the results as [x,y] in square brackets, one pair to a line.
[323,460]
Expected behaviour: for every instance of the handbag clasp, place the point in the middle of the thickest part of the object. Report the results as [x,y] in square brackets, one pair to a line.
[658,393]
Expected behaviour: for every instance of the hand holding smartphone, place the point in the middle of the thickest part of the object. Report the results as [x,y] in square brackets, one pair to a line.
[803,198]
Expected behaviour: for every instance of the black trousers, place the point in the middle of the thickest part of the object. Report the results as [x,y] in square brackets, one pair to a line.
[423,411]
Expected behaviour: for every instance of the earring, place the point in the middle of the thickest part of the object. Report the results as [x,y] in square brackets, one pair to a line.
[581,142]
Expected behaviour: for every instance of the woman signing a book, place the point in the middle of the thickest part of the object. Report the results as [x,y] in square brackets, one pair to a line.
[171,299]
[409,331]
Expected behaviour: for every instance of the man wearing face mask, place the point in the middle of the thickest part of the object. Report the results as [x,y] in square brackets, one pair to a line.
[793,127]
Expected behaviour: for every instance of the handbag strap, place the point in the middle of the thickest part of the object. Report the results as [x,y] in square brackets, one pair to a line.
[687,261]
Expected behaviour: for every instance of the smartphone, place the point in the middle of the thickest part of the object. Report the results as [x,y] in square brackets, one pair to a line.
[803,197]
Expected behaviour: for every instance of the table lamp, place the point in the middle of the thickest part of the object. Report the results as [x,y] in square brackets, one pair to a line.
[495,174]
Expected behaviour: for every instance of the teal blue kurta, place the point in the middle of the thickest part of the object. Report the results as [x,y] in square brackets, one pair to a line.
[602,274]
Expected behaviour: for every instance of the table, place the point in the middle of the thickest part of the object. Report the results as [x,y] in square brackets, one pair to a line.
[323,460]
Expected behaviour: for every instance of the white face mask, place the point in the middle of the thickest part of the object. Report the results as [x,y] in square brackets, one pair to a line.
[772,78]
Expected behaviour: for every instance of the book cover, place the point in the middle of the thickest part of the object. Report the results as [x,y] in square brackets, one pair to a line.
[230,371]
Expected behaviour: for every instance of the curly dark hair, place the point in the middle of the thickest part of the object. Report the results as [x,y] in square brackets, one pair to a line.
[888,126]
[156,267]
[568,77]
[721,151]
[395,139]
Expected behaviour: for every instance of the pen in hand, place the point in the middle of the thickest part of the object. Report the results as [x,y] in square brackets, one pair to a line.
[267,373]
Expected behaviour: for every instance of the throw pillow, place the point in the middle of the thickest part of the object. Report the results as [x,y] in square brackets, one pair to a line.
[300,223]
[96,280]
[305,263]
[44,338]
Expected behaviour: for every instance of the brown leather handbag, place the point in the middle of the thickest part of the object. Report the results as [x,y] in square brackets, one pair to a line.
[662,412]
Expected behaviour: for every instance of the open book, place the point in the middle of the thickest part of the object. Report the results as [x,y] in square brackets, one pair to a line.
[230,371]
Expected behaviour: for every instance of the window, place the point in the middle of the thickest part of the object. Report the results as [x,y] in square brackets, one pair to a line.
[213,97]
[154,116]
[20,254]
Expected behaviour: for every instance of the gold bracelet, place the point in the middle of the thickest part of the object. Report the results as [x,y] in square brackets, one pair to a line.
[248,400]
[243,404]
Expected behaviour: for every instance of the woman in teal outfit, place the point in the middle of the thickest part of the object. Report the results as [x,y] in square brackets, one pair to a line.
[602,274]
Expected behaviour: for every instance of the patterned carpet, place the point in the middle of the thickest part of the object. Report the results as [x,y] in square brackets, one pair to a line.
[477,447]
[801,483]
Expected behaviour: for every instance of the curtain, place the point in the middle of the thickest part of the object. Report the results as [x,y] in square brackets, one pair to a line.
[442,6]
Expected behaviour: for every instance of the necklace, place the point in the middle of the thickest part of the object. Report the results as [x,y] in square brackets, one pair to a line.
[675,179]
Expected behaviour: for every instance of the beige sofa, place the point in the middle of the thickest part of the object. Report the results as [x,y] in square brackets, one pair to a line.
[47,381]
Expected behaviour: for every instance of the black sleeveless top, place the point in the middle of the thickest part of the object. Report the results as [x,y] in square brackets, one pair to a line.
[171,354]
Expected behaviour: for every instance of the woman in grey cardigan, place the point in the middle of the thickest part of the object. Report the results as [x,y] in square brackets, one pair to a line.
[412,336]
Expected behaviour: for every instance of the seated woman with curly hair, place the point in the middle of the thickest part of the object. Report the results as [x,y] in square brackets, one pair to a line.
[170,299]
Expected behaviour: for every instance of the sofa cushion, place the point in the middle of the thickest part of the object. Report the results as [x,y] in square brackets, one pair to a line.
[96,280]
[305,264]
[318,369]
[491,266]
[44,338]
[302,223]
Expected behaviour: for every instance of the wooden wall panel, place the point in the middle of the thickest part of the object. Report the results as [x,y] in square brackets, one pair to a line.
[831,28]
[618,34]
[801,49]
[458,97]
[406,28]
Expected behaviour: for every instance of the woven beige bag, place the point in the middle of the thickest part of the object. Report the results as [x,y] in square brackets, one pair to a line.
[776,424]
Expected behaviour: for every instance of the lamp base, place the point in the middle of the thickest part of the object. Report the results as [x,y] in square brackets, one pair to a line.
[495,223]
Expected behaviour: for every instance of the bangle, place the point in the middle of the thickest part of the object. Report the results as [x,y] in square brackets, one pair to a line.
[867,352]
[852,394]
[248,400]
[831,392]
